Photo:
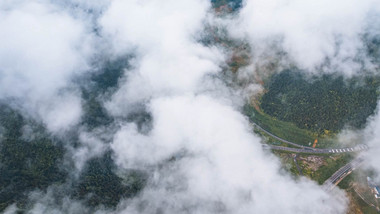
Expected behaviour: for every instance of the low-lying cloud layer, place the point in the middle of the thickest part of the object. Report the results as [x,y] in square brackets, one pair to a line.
[221,167]
[200,152]
[42,49]
[313,32]
[372,137]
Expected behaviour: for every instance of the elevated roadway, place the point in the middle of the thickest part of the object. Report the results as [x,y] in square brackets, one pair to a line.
[339,175]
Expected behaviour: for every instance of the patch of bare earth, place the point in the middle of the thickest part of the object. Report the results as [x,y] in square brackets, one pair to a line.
[312,162]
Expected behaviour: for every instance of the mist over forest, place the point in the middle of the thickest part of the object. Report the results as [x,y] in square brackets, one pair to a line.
[129,106]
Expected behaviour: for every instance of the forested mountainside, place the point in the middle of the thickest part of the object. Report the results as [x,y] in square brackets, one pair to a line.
[327,102]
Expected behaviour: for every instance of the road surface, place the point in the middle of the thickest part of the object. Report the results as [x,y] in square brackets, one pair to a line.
[307,149]
[339,175]
[357,148]
[298,167]
[278,138]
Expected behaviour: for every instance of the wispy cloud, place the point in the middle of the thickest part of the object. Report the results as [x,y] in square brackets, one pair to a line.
[199,151]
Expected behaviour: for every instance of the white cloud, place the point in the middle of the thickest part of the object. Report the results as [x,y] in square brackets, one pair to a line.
[60,112]
[46,203]
[164,39]
[224,167]
[372,133]
[220,165]
[41,49]
[310,31]
[91,146]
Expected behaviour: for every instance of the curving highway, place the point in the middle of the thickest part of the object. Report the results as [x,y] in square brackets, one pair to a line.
[339,175]
[310,150]
[278,138]
[307,149]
